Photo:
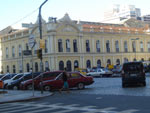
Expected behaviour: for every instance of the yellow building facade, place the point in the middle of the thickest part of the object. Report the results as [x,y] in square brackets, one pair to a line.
[73,45]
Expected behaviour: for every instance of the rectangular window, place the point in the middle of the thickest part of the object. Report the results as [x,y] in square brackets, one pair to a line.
[6,52]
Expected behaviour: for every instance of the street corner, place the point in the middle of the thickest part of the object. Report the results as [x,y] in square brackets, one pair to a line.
[22,96]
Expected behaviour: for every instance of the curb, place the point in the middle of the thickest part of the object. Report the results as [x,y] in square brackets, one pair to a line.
[27,99]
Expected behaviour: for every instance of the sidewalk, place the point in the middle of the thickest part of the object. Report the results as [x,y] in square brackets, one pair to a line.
[19,95]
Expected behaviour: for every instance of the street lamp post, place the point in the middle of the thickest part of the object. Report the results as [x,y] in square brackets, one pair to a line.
[40,29]
[135,45]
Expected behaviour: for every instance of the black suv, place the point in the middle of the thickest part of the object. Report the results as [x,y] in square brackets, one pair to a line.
[133,73]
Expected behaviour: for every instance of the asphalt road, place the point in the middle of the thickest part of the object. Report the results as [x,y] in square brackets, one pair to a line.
[106,95]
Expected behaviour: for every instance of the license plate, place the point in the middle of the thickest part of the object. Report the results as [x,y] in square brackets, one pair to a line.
[133,75]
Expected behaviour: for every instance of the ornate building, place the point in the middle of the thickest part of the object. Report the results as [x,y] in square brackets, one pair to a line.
[74,44]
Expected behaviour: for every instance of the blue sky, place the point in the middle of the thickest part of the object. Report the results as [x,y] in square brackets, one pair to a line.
[13,11]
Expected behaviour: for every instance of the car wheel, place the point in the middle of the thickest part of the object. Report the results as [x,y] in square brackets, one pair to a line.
[80,86]
[15,88]
[144,83]
[100,75]
[29,87]
[5,86]
[47,88]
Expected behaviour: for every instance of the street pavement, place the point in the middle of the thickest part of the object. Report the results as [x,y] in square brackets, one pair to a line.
[105,95]
[20,95]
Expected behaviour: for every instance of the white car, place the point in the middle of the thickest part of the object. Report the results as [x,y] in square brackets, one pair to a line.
[7,82]
[100,73]
[97,73]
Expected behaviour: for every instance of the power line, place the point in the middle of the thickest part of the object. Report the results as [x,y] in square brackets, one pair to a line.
[24,17]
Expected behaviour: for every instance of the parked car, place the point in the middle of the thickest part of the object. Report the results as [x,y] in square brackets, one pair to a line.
[100,73]
[25,76]
[6,77]
[81,70]
[27,85]
[133,73]
[117,71]
[8,82]
[75,79]
[1,75]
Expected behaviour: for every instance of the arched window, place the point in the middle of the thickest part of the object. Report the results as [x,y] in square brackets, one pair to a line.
[75,49]
[28,67]
[7,69]
[76,64]
[142,59]
[20,50]
[47,66]
[107,46]
[88,64]
[69,68]
[14,69]
[36,67]
[61,65]
[98,63]
[67,45]
[118,61]
[108,62]
[60,46]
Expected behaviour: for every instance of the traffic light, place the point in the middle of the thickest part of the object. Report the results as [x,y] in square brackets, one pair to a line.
[39,53]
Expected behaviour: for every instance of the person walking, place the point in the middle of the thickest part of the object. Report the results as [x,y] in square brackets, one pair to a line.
[65,82]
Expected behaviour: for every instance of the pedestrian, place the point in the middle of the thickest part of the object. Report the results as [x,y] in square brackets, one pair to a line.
[65,82]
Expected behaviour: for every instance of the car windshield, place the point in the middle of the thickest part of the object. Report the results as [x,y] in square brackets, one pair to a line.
[133,67]
[17,77]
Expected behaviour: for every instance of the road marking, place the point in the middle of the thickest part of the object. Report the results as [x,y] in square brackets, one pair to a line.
[41,110]
[99,98]
[19,110]
[128,111]
[59,107]
[63,111]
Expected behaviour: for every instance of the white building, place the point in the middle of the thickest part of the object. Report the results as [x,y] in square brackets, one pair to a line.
[120,13]
[146,18]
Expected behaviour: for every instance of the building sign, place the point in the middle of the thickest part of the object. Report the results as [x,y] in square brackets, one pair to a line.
[27,52]
[42,44]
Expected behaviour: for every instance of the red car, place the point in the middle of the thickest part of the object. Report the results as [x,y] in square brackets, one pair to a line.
[75,79]
[27,85]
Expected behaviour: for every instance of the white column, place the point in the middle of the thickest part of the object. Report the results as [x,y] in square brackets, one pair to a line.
[52,63]
[93,46]
[121,46]
[56,63]
[103,45]
[94,61]
[79,44]
[104,60]
[112,45]
[49,45]
[81,62]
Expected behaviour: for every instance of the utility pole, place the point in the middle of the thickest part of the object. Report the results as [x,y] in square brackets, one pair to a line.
[40,29]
